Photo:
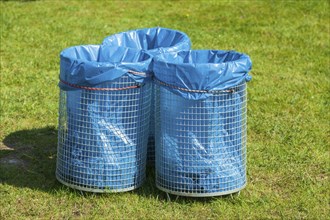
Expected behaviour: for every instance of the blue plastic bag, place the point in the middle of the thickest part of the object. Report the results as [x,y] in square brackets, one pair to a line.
[155,40]
[104,109]
[202,70]
[201,121]
[91,65]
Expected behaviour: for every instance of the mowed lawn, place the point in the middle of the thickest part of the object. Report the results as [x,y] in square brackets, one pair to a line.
[288,107]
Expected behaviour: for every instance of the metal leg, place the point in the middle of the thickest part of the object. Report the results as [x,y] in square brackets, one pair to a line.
[168,197]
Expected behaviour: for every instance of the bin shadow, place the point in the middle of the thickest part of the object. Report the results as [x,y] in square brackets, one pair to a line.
[149,190]
[28,159]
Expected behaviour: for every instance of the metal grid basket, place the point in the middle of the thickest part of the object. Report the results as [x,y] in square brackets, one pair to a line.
[102,136]
[201,144]
[155,41]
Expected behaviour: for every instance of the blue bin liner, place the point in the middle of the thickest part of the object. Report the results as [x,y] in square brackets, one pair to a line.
[199,135]
[155,41]
[103,136]
[91,65]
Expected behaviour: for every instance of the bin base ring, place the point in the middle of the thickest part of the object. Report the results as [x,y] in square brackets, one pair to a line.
[86,189]
[201,194]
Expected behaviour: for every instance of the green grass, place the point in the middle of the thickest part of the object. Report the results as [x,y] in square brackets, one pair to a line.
[288,108]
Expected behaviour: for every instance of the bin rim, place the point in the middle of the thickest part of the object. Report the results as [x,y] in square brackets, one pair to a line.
[64,54]
[196,74]
[162,58]
[184,35]
[91,65]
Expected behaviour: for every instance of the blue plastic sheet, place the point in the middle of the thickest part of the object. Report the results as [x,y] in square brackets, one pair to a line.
[200,145]
[90,65]
[155,41]
[103,134]
[205,70]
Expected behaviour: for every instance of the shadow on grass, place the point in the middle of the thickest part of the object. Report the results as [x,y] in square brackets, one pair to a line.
[149,190]
[28,159]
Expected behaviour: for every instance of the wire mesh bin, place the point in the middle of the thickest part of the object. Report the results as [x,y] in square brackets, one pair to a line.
[103,128]
[201,123]
[155,41]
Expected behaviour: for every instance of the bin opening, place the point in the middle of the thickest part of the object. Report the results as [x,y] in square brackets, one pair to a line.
[201,70]
[203,56]
[104,54]
[154,40]
[91,65]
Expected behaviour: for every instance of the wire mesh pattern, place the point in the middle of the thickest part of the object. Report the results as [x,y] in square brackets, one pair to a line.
[151,139]
[103,135]
[201,144]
